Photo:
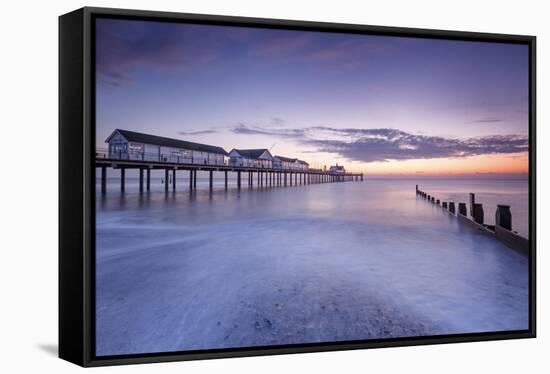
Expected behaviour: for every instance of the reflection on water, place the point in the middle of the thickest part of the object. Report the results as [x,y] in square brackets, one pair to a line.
[343,261]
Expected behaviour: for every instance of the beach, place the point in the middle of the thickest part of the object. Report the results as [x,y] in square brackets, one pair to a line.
[304,264]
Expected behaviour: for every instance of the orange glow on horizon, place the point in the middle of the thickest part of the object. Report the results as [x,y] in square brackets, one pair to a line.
[517,163]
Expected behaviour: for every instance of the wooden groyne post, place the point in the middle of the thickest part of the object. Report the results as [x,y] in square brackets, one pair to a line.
[462,209]
[478,213]
[503,217]
[452,207]
[502,230]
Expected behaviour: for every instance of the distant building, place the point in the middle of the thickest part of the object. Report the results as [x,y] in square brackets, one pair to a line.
[337,169]
[130,145]
[302,165]
[287,163]
[284,163]
[256,158]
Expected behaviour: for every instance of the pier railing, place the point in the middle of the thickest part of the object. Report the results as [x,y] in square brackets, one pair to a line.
[265,176]
[169,158]
[501,230]
[190,160]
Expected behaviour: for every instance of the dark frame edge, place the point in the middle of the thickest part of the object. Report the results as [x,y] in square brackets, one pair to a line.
[72,334]
[323,347]
[310,25]
[533,185]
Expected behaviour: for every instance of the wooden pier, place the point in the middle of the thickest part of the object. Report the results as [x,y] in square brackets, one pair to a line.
[265,177]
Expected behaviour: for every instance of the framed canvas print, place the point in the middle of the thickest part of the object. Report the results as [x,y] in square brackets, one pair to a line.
[237,186]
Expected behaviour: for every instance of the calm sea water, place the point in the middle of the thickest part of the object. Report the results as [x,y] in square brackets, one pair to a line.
[317,263]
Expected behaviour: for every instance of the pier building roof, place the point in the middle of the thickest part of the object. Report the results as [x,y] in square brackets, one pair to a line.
[253,153]
[138,137]
[286,159]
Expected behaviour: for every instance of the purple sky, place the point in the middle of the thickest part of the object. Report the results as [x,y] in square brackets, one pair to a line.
[323,97]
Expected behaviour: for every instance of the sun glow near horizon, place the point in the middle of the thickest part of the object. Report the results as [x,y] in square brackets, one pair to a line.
[374,104]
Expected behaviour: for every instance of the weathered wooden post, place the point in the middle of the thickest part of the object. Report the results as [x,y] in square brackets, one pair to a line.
[166,180]
[472,202]
[174,179]
[122,179]
[140,179]
[103,179]
[503,217]
[462,209]
[437,201]
[444,204]
[190,179]
[452,207]
[433,199]
[211,179]
[417,189]
[478,213]
[195,179]
[148,177]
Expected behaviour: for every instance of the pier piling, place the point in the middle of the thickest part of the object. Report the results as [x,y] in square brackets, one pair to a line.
[103,179]
[190,180]
[225,181]
[165,180]
[174,179]
[140,179]
[211,179]
[122,179]
[148,179]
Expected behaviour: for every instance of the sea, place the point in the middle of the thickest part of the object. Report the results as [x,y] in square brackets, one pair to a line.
[193,270]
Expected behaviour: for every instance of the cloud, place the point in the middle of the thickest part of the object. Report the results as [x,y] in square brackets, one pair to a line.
[277,121]
[241,128]
[384,144]
[284,43]
[198,132]
[488,120]
[122,47]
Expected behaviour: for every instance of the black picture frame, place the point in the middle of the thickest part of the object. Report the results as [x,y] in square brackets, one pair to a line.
[77,181]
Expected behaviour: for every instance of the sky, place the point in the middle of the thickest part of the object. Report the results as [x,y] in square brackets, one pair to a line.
[382,105]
